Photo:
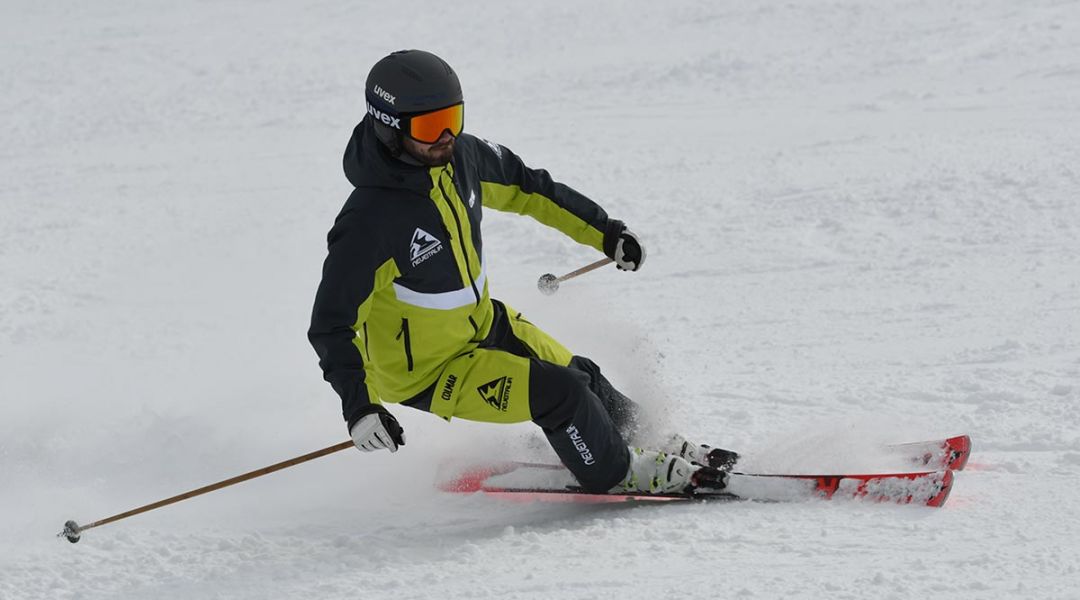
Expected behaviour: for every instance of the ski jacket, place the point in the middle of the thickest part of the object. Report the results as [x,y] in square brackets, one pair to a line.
[403,287]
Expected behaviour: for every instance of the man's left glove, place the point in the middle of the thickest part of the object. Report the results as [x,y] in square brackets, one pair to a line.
[377,429]
[622,246]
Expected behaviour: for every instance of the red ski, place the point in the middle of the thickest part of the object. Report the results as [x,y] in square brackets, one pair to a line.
[951,453]
[553,483]
[930,488]
[947,454]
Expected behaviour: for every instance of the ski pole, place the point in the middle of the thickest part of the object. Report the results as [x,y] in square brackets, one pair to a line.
[72,530]
[549,283]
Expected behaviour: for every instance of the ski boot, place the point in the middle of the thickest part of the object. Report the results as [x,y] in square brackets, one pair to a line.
[654,472]
[700,454]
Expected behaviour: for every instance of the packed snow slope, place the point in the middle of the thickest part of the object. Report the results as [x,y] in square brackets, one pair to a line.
[862,223]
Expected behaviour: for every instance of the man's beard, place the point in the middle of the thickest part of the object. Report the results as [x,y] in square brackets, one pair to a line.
[436,155]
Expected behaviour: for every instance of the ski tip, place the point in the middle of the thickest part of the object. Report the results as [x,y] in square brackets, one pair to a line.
[959,449]
[946,488]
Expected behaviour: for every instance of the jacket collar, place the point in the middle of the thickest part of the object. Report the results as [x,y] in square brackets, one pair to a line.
[368,163]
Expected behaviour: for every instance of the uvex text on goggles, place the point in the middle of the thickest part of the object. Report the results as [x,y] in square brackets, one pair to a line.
[426,127]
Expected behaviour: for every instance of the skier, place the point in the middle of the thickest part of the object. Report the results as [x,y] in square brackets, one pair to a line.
[403,314]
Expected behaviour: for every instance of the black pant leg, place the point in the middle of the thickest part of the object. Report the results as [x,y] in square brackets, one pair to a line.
[577,426]
[624,411]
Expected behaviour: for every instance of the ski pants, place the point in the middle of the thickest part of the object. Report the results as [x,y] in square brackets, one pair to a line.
[520,373]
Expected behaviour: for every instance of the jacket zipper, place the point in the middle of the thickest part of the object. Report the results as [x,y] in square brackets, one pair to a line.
[461,241]
[408,342]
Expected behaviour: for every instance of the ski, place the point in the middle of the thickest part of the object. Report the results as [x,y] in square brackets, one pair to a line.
[945,454]
[530,482]
[541,482]
[928,488]
[950,453]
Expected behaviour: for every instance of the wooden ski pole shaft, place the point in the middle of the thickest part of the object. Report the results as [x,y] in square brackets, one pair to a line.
[72,530]
[586,269]
[549,283]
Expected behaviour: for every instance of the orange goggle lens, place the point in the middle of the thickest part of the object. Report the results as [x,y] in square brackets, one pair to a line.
[428,127]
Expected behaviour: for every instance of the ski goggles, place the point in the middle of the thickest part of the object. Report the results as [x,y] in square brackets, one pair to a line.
[428,127]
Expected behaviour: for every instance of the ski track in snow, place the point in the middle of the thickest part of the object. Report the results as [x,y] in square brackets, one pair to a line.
[862,222]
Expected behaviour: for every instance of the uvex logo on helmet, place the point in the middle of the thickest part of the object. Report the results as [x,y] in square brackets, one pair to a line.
[385,95]
[385,118]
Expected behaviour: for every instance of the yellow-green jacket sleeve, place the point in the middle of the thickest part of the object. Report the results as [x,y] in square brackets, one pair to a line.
[508,185]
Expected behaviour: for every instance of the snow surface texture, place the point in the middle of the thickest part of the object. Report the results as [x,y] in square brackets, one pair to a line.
[863,226]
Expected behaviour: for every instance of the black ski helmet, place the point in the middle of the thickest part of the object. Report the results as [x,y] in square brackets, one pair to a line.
[404,83]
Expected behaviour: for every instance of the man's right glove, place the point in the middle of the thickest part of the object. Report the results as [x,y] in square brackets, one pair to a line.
[622,246]
[377,429]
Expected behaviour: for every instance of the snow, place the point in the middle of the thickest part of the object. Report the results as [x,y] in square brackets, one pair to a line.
[862,224]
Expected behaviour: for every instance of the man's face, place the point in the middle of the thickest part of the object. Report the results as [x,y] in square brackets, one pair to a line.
[432,155]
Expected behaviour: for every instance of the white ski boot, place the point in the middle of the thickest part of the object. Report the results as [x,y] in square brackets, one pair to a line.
[701,454]
[656,472]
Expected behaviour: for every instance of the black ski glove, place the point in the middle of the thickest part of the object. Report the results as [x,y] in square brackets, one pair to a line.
[624,247]
[375,428]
